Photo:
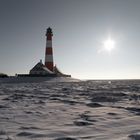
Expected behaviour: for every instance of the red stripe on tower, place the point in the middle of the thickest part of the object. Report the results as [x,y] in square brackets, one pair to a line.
[49,51]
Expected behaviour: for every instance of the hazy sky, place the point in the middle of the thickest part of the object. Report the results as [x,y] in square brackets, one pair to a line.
[80,27]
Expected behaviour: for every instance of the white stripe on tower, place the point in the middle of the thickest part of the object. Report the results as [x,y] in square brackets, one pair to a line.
[49,58]
[48,43]
[49,50]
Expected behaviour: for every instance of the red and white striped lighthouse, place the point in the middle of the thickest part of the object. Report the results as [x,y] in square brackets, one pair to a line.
[49,51]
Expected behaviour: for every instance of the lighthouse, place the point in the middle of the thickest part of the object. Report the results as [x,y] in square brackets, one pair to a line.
[49,51]
[47,69]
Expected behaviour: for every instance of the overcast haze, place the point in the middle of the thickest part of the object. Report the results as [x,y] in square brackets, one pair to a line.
[79,27]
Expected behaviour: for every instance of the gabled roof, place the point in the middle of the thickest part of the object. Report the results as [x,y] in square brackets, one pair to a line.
[40,67]
[59,73]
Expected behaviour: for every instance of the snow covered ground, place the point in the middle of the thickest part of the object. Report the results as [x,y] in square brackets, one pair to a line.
[65,109]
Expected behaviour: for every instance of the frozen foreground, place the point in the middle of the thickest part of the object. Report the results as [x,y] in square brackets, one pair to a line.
[70,110]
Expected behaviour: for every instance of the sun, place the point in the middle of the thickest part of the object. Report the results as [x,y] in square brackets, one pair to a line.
[109,44]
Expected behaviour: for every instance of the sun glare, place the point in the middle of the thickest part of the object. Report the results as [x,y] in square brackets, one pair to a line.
[109,44]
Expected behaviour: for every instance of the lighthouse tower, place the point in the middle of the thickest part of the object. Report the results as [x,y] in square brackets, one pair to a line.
[48,69]
[49,51]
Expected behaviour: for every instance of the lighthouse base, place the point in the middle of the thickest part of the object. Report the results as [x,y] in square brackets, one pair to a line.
[25,79]
[40,70]
[40,75]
